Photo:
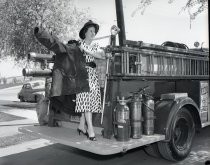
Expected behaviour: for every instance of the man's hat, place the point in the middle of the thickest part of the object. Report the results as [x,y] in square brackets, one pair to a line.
[86,26]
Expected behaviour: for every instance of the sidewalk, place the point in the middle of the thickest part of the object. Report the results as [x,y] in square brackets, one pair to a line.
[16,117]
[26,146]
[11,140]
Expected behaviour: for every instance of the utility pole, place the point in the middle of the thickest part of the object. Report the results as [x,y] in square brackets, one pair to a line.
[120,21]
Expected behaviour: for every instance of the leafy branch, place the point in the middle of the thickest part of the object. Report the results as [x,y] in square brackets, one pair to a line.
[194,7]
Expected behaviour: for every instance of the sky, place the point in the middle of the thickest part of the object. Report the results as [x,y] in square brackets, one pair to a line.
[161,22]
[8,68]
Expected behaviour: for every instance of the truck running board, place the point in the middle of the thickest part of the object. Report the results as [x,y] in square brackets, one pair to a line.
[102,146]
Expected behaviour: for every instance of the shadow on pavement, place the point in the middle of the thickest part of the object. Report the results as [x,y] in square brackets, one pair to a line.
[17,104]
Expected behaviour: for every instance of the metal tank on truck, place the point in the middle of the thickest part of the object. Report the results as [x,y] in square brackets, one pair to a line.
[122,120]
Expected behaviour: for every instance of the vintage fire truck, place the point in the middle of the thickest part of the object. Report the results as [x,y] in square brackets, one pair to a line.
[156,96]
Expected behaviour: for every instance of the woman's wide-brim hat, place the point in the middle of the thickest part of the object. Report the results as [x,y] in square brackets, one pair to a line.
[87,25]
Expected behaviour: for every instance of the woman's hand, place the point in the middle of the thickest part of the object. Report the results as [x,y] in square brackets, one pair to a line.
[81,46]
[108,55]
[115,30]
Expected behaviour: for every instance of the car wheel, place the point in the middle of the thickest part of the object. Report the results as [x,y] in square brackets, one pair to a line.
[21,99]
[183,131]
[35,98]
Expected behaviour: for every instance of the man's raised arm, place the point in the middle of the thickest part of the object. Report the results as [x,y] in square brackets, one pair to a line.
[49,41]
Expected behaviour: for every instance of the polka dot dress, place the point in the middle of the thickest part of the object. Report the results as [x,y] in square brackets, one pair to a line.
[90,101]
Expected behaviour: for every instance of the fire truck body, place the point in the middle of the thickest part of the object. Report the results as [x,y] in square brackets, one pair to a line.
[176,78]
[180,93]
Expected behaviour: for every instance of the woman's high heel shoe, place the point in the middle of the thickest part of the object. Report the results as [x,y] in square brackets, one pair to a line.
[80,131]
[91,138]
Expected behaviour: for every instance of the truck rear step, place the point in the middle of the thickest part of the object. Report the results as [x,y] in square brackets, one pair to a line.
[102,146]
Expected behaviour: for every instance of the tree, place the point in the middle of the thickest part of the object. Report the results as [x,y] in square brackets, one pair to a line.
[4,80]
[19,17]
[194,7]
[14,80]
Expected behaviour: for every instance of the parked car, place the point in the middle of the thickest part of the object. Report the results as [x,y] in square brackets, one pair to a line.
[32,91]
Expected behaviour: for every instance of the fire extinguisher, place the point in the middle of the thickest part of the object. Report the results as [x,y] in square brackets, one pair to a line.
[122,120]
[135,106]
[148,114]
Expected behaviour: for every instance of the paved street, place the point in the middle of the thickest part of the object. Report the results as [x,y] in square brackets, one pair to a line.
[10,94]
[27,149]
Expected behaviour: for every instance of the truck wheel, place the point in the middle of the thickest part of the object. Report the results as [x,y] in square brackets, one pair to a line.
[152,150]
[182,133]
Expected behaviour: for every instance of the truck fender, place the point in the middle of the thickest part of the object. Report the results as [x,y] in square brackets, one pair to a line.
[166,110]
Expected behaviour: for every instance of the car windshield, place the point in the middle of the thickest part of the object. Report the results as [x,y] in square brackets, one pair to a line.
[37,85]
[27,86]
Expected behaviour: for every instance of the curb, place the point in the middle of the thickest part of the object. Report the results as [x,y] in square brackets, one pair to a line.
[20,105]
[26,146]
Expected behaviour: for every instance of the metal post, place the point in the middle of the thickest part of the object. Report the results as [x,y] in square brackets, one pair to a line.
[120,21]
[105,86]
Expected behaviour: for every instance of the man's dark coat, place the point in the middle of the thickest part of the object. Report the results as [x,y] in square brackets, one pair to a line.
[69,74]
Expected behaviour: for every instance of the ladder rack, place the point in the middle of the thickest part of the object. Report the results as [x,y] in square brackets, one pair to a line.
[154,61]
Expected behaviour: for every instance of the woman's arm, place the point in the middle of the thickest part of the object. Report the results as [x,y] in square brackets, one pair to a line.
[94,51]
[49,41]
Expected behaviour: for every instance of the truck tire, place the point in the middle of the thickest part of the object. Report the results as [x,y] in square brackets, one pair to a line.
[152,150]
[182,133]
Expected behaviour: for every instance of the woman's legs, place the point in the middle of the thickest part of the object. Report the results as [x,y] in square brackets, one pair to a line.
[90,130]
[82,123]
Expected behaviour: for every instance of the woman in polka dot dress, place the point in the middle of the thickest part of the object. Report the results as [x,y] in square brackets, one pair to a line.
[89,102]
